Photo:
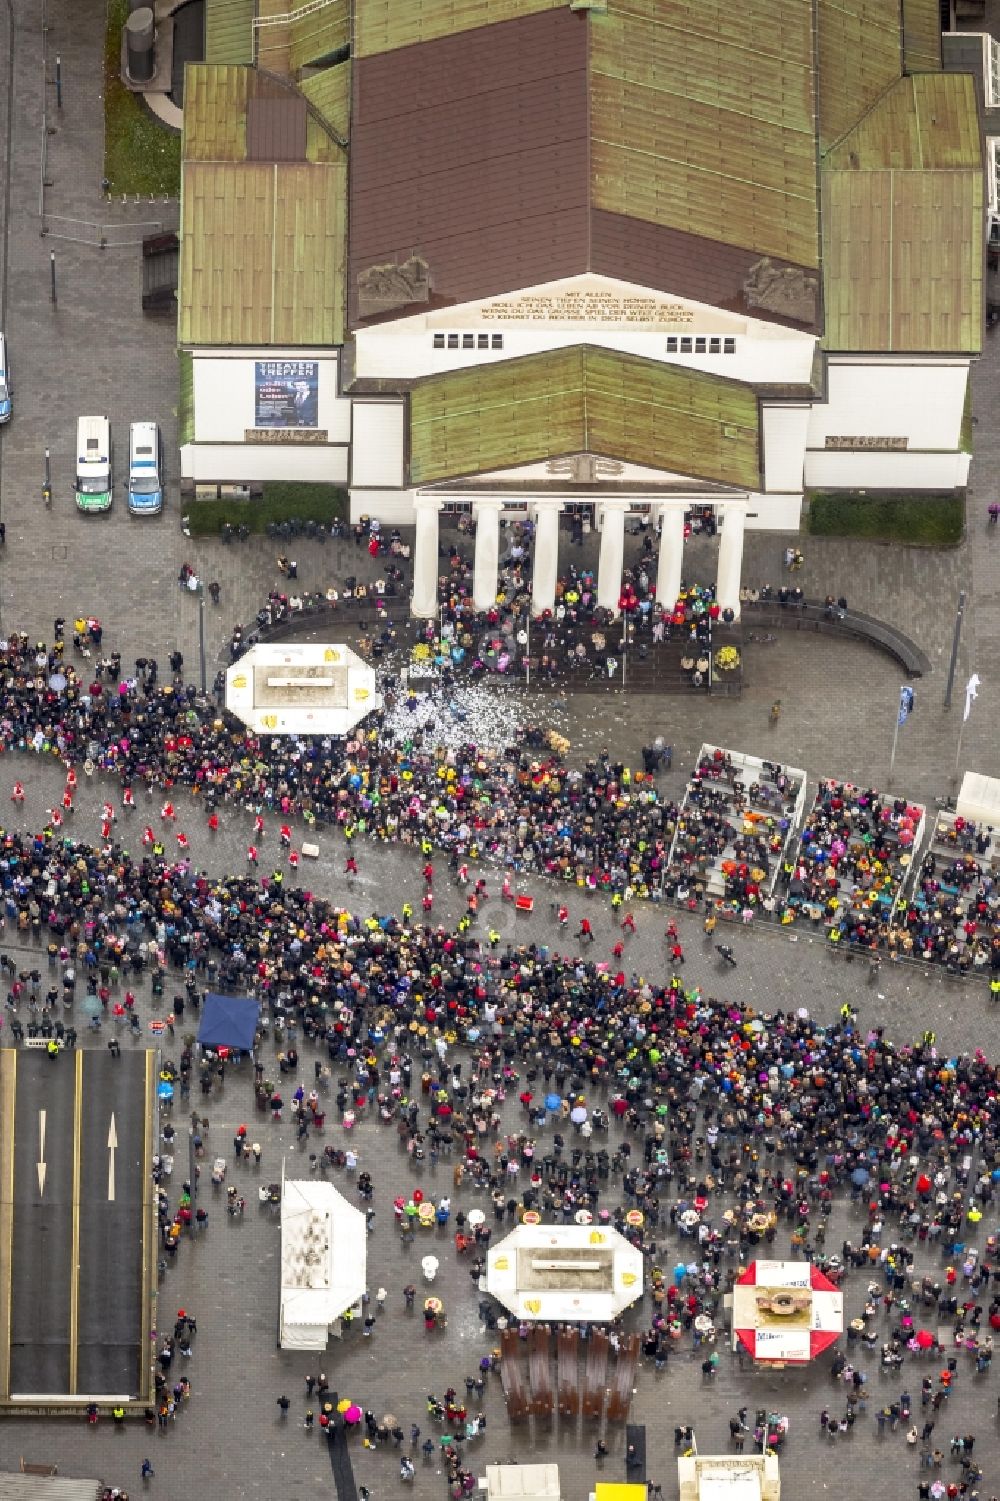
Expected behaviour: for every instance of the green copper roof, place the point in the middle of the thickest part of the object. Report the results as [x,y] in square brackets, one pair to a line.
[903,223]
[229,31]
[320,33]
[584,400]
[703,120]
[385,25]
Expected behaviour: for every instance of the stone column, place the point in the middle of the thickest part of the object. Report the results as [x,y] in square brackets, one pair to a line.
[727,583]
[670,567]
[425,557]
[545,562]
[612,558]
[484,587]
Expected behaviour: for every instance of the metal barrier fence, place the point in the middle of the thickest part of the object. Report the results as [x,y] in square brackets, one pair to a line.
[100,236]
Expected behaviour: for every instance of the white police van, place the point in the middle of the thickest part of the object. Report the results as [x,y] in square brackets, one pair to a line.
[145,480]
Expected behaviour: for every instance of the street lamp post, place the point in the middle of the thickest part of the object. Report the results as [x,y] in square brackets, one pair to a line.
[956,638]
[201,634]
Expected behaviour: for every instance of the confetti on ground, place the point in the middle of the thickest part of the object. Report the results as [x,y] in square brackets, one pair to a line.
[487,713]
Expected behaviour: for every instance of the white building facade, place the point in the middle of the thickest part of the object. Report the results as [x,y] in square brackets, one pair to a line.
[596,256]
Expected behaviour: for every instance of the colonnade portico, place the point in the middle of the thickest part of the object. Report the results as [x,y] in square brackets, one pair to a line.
[545,563]
[484,583]
[612,559]
[545,513]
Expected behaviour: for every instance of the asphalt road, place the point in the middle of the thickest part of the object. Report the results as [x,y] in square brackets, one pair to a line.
[80,1219]
[42,1235]
[113,1181]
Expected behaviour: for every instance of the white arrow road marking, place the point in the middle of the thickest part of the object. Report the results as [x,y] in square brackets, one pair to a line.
[112,1147]
[41,1152]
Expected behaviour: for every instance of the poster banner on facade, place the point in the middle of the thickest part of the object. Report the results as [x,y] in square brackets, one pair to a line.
[286,393]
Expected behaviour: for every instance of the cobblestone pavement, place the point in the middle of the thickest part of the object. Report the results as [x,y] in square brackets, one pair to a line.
[92,351]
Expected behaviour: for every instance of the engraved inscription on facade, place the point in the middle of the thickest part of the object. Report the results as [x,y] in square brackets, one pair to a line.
[587,307]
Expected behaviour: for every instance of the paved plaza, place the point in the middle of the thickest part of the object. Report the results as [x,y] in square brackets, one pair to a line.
[93,350]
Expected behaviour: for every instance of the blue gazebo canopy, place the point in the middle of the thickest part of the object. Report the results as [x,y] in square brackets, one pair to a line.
[228,1021]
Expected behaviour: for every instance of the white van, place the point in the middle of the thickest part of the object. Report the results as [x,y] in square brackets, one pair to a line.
[94,481]
[5,386]
[145,481]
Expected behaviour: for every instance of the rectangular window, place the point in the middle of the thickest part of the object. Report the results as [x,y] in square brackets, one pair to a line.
[685,346]
[993,80]
[672,344]
[468,341]
[482,341]
[439,341]
[715,346]
[729,346]
[496,341]
[453,341]
[699,346]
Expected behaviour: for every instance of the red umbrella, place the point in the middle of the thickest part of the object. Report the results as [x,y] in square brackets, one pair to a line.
[925,1339]
[924,1184]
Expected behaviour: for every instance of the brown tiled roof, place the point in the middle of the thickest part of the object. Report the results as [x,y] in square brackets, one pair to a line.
[691,147]
[688,265]
[276,129]
[470,151]
[473,171]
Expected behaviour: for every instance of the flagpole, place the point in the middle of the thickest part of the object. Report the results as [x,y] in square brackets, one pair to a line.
[895,738]
[904,705]
[971,694]
[958,751]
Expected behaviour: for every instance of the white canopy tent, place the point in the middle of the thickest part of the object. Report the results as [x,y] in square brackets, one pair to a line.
[565,1272]
[324,1258]
[979,799]
[729,1477]
[521,1483]
[303,688]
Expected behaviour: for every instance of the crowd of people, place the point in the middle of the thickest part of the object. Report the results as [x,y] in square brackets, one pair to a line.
[854,850]
[953,915]
[601,827]
[728,1129]
[576,642]
[561,1084]
[734,824]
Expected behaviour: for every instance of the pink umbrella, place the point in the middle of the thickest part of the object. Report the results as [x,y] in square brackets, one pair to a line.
[353,1414]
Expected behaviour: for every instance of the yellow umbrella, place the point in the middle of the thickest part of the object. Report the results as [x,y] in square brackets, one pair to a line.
[344,1405]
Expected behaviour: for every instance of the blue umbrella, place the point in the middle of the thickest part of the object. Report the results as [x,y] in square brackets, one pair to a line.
[860,1176]
[553,1101]
[165,1091]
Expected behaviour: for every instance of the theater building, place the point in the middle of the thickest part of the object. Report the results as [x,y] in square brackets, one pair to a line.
[538,256]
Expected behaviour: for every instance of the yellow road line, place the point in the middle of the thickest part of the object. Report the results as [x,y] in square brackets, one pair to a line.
[74,1268]
[8,1078]
[148,1212]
